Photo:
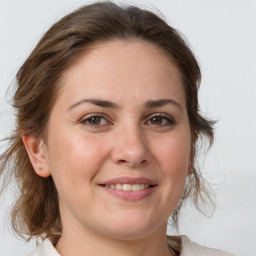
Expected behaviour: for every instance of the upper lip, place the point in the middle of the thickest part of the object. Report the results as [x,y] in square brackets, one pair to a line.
[129,180]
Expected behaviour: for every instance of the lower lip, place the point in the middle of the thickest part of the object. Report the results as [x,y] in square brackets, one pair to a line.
[130,195]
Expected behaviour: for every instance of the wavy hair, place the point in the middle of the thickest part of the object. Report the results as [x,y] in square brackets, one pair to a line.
[36,211]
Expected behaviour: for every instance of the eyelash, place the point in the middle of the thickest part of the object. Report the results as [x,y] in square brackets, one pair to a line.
[85,121]
[170,121]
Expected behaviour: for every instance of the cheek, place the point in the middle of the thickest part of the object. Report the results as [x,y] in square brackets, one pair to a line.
[74,159]
[74,162]
[174,156]
[173,159]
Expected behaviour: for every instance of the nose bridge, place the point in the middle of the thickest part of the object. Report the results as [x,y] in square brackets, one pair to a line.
[130,145]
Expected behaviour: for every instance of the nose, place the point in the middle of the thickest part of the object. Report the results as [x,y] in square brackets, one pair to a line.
[130,148]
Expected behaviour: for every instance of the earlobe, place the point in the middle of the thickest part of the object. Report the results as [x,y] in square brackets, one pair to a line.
[190,165]
[190,170]
[37,154]
[192,155]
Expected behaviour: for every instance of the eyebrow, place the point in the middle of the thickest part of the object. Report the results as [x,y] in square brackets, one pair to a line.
[110,104]
[162,102]
[97,102]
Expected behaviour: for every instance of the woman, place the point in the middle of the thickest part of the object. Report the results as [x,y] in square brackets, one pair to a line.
[107,127]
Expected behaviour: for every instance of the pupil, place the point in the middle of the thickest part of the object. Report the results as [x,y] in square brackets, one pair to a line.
[157,120]
[95,120]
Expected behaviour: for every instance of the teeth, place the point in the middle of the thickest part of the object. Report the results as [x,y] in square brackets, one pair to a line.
[128,187]
[135,187]
[119,186]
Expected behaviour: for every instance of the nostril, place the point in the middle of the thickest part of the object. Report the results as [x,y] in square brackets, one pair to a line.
[132,163]
[144,161]
[122,161]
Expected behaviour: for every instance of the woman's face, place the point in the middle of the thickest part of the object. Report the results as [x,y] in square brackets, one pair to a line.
[118,140]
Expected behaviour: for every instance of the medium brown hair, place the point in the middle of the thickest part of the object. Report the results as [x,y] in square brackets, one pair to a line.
[36,211]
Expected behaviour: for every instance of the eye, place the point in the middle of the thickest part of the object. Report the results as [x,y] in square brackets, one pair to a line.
[161,120]
[94,120]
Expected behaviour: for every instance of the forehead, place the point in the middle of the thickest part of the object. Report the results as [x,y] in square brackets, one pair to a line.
[123,66]
[131,51]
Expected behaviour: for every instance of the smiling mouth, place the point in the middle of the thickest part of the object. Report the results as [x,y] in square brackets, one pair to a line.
[128,187]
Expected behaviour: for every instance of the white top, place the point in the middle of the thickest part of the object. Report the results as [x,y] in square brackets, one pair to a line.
[188,248]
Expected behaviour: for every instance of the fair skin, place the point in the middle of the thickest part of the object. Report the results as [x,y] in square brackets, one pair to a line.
[120,118]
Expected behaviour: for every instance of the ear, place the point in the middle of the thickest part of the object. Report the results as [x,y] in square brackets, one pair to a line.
[190,168]
[191,161]
[37,154]
[192,152]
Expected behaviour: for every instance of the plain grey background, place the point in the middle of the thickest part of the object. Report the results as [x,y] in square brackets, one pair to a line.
[222,34]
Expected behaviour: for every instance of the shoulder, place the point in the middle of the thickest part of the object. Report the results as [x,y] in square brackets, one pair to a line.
[186,248]
[45,249]
[189,248]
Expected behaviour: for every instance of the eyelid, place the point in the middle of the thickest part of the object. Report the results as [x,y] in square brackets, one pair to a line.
[170,119]
[99,115]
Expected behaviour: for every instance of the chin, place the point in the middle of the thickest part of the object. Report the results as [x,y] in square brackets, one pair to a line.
[132,227]
[129,234]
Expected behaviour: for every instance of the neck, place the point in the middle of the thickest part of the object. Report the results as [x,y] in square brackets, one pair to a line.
[77,243]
